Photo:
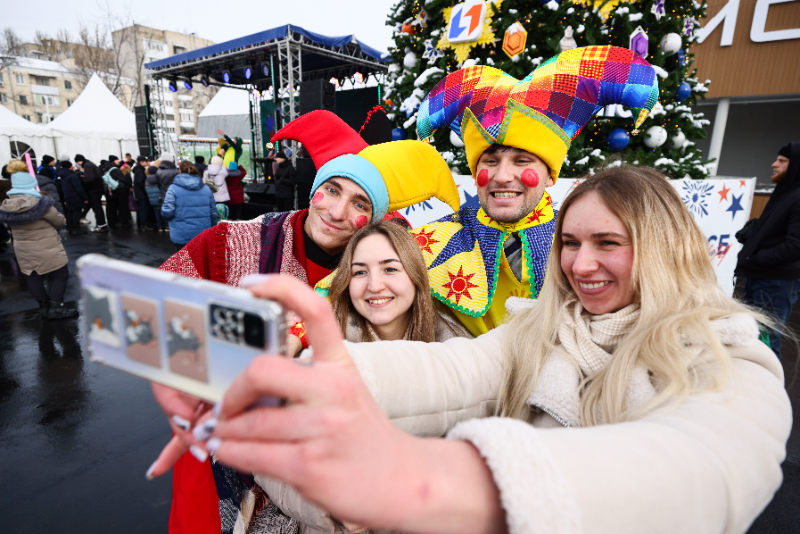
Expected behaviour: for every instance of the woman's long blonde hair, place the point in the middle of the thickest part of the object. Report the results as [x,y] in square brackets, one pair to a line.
[422,320]
[675,286]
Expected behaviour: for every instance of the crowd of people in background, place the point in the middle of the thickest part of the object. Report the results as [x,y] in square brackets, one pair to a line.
[179,200]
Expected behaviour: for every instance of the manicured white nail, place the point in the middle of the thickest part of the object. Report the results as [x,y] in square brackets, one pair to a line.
[198,453]
[204,431]
[213,444]
[254,279]
[149,474]
[181,423]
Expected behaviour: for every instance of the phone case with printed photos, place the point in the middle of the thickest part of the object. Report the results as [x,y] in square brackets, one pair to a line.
[193,335]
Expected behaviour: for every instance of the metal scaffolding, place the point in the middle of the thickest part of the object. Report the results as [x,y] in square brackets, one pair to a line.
[296,54]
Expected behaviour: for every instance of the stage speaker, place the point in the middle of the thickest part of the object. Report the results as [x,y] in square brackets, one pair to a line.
[261,193]
[305,171]
[145,127]
[317,94]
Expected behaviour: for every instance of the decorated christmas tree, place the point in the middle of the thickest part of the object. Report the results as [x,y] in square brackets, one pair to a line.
[516,36]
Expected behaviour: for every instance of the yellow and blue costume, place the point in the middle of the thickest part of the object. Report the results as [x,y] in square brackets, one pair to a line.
[541,114]
[467,267]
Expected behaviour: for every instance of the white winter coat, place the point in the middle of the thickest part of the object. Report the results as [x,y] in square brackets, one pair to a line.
[218,174]
[708,465]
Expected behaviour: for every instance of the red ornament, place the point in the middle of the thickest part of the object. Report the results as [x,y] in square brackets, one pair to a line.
[317,198]
[483,178]
[530,178]
[361,221]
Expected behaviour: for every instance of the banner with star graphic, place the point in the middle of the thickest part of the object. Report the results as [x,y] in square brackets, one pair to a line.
[720,206]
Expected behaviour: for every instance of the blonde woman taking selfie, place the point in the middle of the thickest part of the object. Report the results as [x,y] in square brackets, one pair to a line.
[633,397]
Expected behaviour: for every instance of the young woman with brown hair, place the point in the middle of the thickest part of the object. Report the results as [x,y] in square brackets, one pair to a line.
[381,290]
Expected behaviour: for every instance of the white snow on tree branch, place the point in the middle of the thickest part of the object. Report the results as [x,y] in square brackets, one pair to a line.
[580,29]
[551,5]
[570,11]
[411,103]
[635,17]
[422,79]
[700,88]
[411,120]
[597,153]
[583,161]
[664,162]
[660,72]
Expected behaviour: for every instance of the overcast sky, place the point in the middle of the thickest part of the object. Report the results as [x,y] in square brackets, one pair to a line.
[215,20]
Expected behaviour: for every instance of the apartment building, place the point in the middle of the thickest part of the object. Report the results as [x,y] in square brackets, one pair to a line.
[39,90]
[139,45]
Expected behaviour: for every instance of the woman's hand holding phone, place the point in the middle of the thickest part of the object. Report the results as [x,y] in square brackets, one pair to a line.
[332,442]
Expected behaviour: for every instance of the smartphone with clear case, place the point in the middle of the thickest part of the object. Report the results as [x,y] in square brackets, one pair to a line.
[192,335]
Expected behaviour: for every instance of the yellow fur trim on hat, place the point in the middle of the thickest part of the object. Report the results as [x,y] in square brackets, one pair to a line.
[523,128]
[413,172]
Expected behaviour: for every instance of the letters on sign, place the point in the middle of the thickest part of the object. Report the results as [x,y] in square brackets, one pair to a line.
[727,17]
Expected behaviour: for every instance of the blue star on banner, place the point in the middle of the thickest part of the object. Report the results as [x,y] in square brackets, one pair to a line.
[422,205]
[471,200]
[736,205]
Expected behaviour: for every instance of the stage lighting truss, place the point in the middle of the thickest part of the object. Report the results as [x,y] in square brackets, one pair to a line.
[173,85]
[204,79]
[187,83]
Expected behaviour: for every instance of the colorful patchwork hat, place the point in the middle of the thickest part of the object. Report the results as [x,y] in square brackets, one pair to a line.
[394,175]
[543,113]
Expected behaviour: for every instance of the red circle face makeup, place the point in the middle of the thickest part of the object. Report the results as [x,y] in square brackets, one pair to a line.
[361,221]
[317,198]
[530,178]
[483,178]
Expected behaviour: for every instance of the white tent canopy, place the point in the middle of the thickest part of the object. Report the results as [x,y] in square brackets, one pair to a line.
[16,131]
[228,111]
[96,124]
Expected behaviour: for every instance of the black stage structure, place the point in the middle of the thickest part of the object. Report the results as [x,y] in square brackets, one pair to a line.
[274,66]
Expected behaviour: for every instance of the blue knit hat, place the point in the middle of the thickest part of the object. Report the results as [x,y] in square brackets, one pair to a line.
[363,173]
[23,183]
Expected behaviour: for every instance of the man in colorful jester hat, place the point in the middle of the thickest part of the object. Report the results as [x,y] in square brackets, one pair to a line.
[516,134]
[356,184]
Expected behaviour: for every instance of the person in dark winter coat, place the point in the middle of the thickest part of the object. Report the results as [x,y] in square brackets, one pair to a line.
[119,213]
[140,194]
[48,187]
[285,181]
[236,192]
[94,185]
[34,223]
[200,164]
[770,258]
[167,172]
[188,206]
[154,196]
[75,196]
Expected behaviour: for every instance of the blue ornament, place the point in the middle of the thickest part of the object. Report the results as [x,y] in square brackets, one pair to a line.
[618,139]
[399,134]
[681,57]
[683,92]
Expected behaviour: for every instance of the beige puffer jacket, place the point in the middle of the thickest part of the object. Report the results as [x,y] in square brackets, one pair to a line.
[34,222]
[708,465]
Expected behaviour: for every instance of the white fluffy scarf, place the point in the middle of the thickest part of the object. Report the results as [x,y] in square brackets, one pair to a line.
[556,390]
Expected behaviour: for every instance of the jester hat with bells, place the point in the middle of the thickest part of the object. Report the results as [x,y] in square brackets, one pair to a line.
[544,112]
[394,175]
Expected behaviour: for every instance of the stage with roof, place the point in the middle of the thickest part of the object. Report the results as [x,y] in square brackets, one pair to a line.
[285,58]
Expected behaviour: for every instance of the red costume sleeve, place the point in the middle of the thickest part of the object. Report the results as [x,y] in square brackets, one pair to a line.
[195,505]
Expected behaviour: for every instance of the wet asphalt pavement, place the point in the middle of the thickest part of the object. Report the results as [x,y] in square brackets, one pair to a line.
[76,438]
